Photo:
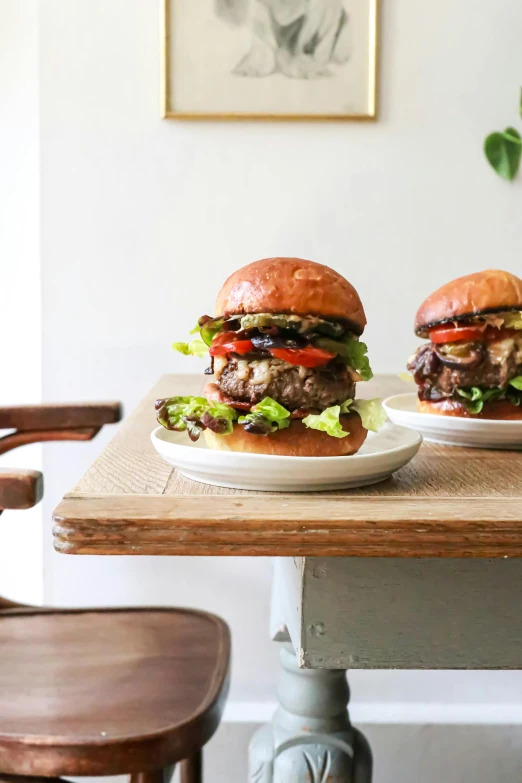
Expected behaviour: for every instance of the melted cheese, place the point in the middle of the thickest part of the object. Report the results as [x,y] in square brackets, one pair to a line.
[243,370]
[220,362]
[500,351]
[260,371]
[518,350]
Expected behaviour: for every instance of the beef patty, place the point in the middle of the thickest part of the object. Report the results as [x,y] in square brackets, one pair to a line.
[438,377]
[291,386]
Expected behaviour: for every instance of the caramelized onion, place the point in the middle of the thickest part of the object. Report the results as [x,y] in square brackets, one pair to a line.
[467,361]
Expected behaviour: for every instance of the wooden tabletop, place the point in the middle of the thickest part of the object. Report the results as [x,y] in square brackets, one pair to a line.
[448,502]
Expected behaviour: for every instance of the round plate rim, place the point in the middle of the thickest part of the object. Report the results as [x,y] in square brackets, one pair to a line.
[502,423]
[417,439]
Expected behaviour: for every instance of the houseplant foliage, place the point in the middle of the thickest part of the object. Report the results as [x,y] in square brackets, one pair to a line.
[504,150]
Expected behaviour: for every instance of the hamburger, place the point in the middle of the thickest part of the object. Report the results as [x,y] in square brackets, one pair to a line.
[472,364]
[285,356]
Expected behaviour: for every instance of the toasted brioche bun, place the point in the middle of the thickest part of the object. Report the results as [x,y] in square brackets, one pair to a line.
[502,409]
[478,294]
[295,441]
[291,285]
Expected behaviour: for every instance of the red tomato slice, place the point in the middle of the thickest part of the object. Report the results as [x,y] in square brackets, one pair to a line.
[304,357]
[451,334]
[223,337]
[238,346]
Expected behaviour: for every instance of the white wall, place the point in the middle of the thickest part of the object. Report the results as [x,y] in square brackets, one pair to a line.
[142,219]
[21,563]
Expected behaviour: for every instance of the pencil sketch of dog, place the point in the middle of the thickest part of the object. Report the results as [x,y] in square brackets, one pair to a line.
[299,38]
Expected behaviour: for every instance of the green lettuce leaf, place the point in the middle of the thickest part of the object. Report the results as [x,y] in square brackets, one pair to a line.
[473,399]
[193,348]
[490,395]
[474,407]
[473,394]
[358,359]
[266,417]
[172,412]
[273,411]
[220,409]
[194,414]
[371,412]
[327,421]
[513,320]
[222,416]
[351,350]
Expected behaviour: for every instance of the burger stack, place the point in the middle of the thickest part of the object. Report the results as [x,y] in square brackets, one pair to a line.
[285,358]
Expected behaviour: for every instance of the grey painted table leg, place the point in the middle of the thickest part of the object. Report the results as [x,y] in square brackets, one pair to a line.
[310,738]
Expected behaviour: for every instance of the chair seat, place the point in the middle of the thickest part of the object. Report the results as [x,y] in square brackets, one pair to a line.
[107,692]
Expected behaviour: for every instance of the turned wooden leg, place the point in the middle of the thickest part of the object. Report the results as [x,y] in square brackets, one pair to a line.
[192,769]
[158,776]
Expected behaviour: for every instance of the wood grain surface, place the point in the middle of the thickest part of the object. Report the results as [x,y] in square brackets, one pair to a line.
[62,421]
[448,502]
[59,415]
[20,489]
[108,692]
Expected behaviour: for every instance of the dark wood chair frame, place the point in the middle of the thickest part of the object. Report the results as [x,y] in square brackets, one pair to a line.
[22,489]
[38,424]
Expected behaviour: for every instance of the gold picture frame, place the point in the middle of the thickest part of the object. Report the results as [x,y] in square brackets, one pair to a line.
[172,113]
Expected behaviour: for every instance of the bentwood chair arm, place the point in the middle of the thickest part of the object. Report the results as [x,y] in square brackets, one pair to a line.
[19,489]
[25,779]
[64,421]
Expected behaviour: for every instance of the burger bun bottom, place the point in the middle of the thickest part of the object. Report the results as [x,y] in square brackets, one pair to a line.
[500,410]
[297,440]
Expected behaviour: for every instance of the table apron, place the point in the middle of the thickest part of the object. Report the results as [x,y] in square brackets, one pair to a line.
[404,613]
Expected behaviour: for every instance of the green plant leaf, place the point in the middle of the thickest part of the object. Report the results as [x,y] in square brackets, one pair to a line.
[511,134]
[503,151]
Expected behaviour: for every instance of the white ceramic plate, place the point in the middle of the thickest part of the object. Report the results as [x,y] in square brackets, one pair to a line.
[381,455]
[453,430]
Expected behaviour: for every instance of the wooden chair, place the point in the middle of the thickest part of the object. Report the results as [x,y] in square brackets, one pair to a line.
[100,691]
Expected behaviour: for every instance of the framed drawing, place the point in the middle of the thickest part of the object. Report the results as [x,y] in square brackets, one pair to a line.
[270,59]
